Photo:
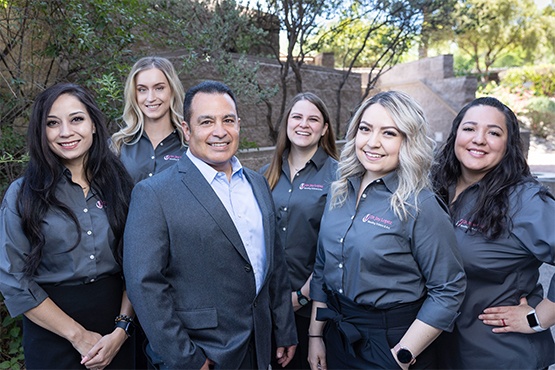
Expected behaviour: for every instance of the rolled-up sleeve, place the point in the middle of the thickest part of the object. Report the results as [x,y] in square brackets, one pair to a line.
[435,250]
[21,293]
[317,283]
[533,222]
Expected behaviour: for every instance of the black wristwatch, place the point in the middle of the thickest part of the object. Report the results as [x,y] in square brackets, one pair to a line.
[127,326]
[303,301]
[533,321]
[404,355]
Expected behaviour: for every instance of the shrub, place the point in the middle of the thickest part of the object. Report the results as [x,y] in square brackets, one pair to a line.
[541,115]
[11,349]
[539,79]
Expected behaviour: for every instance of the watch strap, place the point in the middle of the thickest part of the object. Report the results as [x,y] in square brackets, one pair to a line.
[533,321]
[303,300]
[127,326]
[398,347]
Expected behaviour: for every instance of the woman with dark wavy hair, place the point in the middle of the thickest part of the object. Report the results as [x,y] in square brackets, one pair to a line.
[61,239]
[503,220]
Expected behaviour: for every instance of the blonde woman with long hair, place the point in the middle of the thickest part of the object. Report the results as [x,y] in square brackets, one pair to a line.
[152,138]
[387,277]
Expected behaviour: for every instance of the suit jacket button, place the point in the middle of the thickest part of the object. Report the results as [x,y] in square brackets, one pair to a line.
[248,268]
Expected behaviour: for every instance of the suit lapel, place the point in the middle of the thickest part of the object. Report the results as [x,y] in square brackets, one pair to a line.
[196,183]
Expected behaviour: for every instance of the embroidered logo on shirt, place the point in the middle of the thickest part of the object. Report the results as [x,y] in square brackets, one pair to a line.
[170,157]
[100,204]
[305,186]
[467,225]
[378,221]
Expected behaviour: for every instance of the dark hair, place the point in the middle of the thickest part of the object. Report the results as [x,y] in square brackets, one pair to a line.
[327,142]
[42,175]
[490,211]
[207,87]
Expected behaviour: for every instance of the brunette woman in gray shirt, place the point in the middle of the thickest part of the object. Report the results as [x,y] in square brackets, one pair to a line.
[61,239]
[300,175]
[388,278]
[503,220]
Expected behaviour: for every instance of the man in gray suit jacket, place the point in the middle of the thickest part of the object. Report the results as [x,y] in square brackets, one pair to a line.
[202,261]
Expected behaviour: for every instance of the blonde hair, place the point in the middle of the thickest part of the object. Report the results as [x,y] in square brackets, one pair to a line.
[415,155]
[133,117]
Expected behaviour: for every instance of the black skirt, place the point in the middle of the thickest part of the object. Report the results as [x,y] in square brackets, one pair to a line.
[94,306]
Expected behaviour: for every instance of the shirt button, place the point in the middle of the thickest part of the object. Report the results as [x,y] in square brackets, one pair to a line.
[284,228]
[341,240]
[161,144]
[92,280]
[297,174]
[285,209]
[152,157]
[150,175]
[290,190]
[340,290]
[85,210]
[364,195]
[352,217]
[89,232]
[340,265]
[91,256]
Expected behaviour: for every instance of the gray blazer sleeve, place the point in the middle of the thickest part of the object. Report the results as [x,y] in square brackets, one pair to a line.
[146,256]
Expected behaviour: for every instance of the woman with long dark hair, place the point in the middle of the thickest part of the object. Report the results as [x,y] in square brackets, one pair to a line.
[503,220]
[61,239]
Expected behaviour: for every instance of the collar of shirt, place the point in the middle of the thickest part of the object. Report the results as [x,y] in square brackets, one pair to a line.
[391,182]
[66,178]
[318,159]
[210,173]
[144,135]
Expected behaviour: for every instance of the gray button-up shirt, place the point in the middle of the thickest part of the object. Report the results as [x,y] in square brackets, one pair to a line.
[372,257]
[499,273]
[141,160]
[299,204]
[62,264]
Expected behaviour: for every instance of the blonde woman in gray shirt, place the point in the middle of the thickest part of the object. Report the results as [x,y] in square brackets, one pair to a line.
[387,278]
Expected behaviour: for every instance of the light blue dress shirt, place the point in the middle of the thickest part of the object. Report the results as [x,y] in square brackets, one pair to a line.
[241,205]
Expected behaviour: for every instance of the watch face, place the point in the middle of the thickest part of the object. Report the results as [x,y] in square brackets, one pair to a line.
[303,301]
[532,320]
[404,356]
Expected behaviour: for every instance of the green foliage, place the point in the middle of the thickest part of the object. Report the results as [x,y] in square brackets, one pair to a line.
[248,144]
[541,114]
[539,79]
[13,157]
[486,30]
[109,91]
[11,349]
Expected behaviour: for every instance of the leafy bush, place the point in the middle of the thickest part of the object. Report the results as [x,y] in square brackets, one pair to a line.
[539,79]
[541,115]
[11,349]
[13,157]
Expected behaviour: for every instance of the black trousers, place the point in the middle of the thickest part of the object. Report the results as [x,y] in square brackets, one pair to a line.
[94,306]
[360,337]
